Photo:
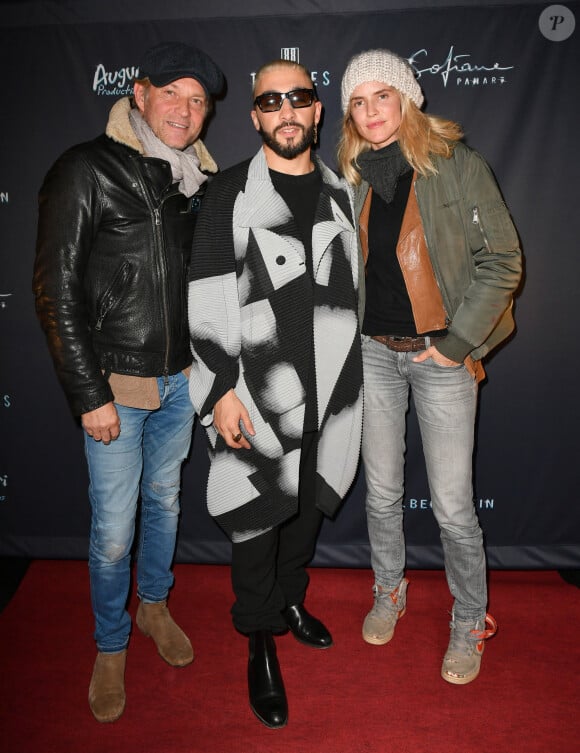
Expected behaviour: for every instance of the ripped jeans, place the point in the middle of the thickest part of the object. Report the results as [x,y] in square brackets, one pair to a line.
[145,461]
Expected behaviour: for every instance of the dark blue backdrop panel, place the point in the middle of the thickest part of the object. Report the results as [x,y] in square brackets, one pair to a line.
[507,75]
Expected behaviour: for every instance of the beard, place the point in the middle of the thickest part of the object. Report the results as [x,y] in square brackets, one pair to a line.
[289,150]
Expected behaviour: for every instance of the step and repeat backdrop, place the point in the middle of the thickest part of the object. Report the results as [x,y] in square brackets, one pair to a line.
[509,73]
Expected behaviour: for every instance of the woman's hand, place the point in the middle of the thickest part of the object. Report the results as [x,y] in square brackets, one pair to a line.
[433,353]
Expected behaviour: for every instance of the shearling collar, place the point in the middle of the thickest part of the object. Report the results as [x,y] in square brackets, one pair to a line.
[119,129]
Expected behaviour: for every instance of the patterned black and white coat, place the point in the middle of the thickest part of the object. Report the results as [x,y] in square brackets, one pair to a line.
[257,318]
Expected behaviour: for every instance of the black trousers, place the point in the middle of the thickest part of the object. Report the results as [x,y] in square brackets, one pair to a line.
[269,571]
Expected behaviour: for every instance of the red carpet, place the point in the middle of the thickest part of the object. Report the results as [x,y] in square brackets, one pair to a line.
[353,698]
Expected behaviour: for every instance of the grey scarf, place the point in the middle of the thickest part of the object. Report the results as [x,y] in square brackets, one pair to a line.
[383,168]
[184,164]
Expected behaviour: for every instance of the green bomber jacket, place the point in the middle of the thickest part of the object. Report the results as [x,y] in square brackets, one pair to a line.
[474,251]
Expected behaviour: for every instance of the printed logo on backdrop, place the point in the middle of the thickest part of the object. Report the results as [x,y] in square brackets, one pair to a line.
[459,68]
[456,68]
[290,53]
[557,23]
[419,505]
[114,83]
[319,78]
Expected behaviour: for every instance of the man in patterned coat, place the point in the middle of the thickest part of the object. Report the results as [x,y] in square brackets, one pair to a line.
[277,375]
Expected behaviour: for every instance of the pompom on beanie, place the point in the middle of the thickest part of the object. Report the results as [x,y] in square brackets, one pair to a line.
[383,66]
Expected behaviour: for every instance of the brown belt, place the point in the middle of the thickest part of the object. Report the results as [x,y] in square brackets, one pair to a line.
[404,344]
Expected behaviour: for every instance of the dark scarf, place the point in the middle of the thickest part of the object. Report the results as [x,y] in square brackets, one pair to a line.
[383,168]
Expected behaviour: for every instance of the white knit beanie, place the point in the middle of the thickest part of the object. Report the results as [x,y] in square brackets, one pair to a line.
[383,66]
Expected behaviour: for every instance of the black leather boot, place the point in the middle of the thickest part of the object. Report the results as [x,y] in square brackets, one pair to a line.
[265,684]
[306,628]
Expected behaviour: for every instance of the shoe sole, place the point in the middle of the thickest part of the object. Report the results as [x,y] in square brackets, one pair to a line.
[377,641]
[459,680]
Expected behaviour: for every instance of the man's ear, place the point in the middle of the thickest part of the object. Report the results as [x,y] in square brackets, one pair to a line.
[139,95]
[255,120]
[317,111]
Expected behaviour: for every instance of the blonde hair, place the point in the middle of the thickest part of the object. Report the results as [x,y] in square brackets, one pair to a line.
[420,136]
[273,65]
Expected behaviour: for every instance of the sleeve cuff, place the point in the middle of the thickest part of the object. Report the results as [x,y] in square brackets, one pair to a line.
[454,348]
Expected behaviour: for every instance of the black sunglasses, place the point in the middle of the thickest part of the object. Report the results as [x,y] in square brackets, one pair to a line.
[273,101]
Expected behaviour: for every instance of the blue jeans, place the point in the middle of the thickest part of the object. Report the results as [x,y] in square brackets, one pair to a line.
[445,400]
[145,460]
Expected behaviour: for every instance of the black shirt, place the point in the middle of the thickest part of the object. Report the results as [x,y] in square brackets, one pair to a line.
[301,193]
[388,308]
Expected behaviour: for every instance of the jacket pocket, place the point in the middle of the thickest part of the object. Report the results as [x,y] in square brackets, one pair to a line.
[112,294]
[493,228]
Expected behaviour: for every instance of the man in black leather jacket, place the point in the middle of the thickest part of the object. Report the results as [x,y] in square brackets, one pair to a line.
[116,223]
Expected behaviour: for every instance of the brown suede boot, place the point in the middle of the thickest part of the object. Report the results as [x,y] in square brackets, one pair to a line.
[155,621]
[107,688]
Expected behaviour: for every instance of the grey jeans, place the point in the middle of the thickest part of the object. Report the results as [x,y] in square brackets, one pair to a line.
[445,399]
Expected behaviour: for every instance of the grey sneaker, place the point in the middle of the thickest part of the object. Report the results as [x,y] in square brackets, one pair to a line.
[379,625]
[463,658]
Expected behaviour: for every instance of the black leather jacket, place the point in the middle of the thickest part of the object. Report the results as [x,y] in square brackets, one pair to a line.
[114,242]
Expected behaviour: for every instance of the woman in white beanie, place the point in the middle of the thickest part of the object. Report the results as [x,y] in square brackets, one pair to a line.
[441,264]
